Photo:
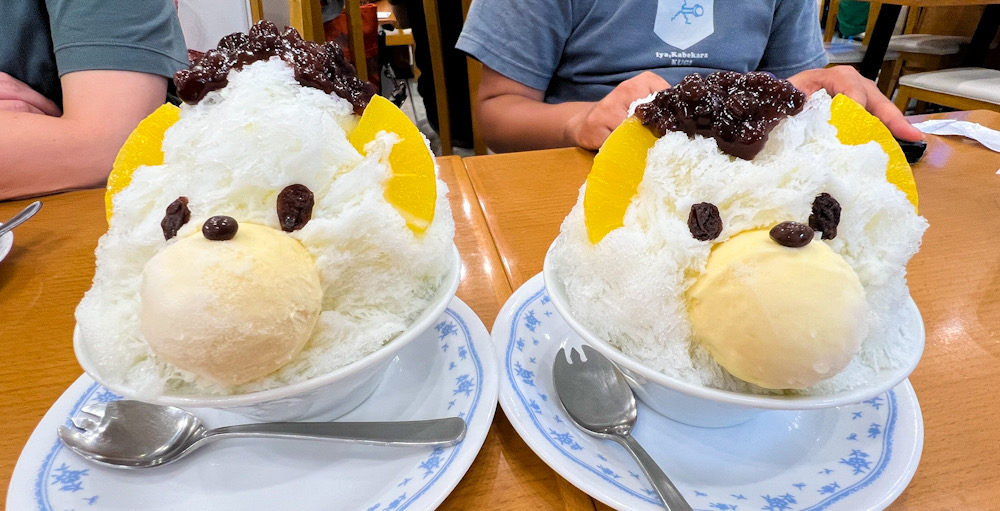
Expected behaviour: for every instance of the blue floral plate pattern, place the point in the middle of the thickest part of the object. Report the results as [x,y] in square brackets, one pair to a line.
[450,370]
[851,458]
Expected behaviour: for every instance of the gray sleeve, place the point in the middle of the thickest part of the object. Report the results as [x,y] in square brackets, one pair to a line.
[143,36]
[796,41]
[520,39]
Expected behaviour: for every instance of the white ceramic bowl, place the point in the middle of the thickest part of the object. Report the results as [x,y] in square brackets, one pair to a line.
[698,405]
[324,397]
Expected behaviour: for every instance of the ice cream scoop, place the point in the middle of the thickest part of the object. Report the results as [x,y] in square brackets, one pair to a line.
[230,310]
[777,316]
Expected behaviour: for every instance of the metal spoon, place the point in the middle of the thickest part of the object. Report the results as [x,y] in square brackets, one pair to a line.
[597,397]
[20,217]
[134,434]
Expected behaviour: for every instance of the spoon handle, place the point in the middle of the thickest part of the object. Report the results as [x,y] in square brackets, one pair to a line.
[435,432]
[20,217]
[668,493]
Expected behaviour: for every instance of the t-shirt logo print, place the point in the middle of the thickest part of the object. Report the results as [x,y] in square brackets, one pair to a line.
[682,23]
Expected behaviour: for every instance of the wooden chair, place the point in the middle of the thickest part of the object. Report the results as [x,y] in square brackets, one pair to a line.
[306,16]
[433,21]
[968,88]
[923,52]
[845,52]
[475,70]
[933,38]
[356,32]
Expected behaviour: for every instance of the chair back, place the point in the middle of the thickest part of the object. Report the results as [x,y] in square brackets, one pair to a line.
[828,10]
[433,21]
[356,34]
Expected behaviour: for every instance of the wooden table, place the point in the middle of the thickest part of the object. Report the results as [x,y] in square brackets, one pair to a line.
[954,279]
[889,11]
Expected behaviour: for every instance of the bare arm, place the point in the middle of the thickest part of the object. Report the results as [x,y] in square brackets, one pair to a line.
[514,117]
[16,96]
[847,81]
[42,152]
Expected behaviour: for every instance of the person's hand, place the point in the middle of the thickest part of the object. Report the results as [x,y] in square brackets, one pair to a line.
[847,81]
[591,128]
[17,96]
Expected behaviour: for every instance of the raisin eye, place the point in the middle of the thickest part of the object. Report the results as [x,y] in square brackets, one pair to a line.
[825,215]
[220,228]
[295,205]
[792,234]
[177,215]
[704,221]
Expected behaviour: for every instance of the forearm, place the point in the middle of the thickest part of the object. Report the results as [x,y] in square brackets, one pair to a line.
[515,123]
[514,117]
[41,154]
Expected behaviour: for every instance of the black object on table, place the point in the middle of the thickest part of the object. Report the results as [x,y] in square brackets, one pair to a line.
[912,150]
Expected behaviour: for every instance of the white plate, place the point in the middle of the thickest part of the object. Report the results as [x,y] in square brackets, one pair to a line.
[449,370]
[851,458]
[6,241]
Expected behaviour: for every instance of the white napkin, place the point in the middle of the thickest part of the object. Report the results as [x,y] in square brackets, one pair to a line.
[986,136]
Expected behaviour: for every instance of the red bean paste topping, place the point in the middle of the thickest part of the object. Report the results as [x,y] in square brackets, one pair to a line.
[295,205]
[704,221]
[324,67]
[825,215]
[738,110]
[177,215]
[220,228]
[792,234]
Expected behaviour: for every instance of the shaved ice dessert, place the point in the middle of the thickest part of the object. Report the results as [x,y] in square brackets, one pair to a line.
[295,225]
[727,238]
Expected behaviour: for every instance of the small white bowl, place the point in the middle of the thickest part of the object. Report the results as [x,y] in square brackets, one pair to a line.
[324,397]
[698,405]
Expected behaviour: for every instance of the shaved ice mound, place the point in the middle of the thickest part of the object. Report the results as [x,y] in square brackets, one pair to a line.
[231,154]
[630,288]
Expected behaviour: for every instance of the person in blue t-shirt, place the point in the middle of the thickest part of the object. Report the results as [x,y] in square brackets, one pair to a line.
[76,77]
[562,73]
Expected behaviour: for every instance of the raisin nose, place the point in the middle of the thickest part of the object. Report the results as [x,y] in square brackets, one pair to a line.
[792,234]
[220,228]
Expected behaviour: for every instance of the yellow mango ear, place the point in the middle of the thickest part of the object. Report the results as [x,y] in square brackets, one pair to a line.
[855,126]
[142,147]
[412,189]
[615,176]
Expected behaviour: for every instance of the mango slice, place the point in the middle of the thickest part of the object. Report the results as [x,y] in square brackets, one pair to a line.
[142,147]
[615,176]
[855,126]
[412,189]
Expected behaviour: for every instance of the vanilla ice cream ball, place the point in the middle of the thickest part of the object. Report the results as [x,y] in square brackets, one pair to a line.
[231,310]
[779,317]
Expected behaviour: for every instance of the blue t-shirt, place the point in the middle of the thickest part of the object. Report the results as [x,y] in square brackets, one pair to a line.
[578,50]
[41,40]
